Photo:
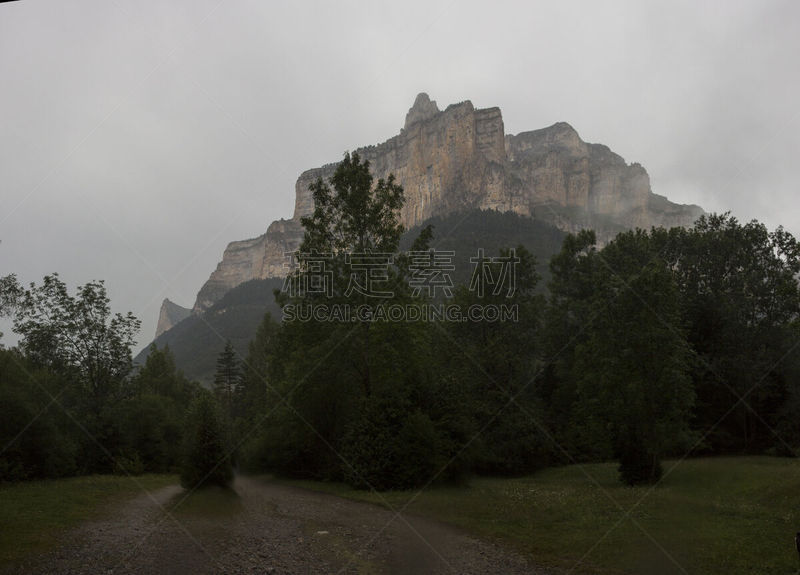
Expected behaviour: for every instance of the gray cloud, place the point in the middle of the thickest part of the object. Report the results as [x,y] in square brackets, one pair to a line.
[136,141]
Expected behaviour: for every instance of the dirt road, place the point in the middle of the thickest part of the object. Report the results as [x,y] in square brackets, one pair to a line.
[270,528]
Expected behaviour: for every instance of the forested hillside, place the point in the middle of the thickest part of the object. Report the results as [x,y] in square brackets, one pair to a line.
[197,340]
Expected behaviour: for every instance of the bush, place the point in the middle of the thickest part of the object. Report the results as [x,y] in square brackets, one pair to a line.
[34,447]
[512,444]
[206,460]
[390,447]
[150,426]
[418,450]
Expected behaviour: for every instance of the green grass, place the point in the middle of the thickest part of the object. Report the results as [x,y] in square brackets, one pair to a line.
[720,515]
[34,515]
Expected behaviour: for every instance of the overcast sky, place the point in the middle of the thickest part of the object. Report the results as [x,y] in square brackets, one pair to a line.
[138,138]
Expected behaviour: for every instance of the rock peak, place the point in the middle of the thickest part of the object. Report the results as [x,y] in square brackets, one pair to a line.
[423,109]
[170,315]
[422,99]
[563,126]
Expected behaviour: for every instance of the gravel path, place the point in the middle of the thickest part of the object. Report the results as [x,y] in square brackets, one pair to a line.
[273,529]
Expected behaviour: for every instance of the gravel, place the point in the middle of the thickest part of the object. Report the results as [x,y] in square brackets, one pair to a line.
[274,529]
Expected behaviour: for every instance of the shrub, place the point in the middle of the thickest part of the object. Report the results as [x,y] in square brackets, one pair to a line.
[391,447]
[34,447]
[150,426]
[206,460]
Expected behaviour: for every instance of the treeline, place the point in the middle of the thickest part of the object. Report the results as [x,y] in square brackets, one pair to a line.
[662,343]
[196,341]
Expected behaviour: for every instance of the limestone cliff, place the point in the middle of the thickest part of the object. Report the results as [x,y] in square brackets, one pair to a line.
[170,315]
[460,158]
[445,161]
[258,258]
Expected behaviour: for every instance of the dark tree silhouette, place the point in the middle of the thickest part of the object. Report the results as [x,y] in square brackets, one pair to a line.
[206,461]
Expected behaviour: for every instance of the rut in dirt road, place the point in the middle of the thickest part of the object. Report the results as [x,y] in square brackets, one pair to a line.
[271,528]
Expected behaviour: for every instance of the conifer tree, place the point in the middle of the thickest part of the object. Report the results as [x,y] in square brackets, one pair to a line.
[227,378]
[206,461]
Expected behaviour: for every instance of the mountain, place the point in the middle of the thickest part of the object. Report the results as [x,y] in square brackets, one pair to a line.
[460,171]
[460,159]
[258,258]
[196,341]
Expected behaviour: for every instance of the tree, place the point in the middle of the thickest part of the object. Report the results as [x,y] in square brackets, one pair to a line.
[10,292]
[635,373]
[78,336]
[350,216]
[340,384]
[160,376]
[206,461]
[258,373]
[620,378]
[499,363]
[319,399]
[568,314]
[36,439]
[354,232]
[634,384]
[227,378]
[150,418]
[149,428]
[741,297]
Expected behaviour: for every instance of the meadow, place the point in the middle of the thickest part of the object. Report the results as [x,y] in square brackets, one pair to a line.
[722,515]
[713,515]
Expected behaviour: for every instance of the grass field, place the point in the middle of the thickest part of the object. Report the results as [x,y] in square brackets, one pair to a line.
[34,515]
[709,516]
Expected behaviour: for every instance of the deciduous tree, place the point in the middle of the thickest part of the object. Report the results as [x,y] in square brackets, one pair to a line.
[77,335]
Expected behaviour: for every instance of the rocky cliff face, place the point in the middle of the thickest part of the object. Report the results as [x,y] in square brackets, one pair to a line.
[170,314]
[259,258]
[445,161]
[460,158]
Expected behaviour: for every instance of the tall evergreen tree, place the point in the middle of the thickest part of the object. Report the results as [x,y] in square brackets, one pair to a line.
[206,460]
[227,378]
